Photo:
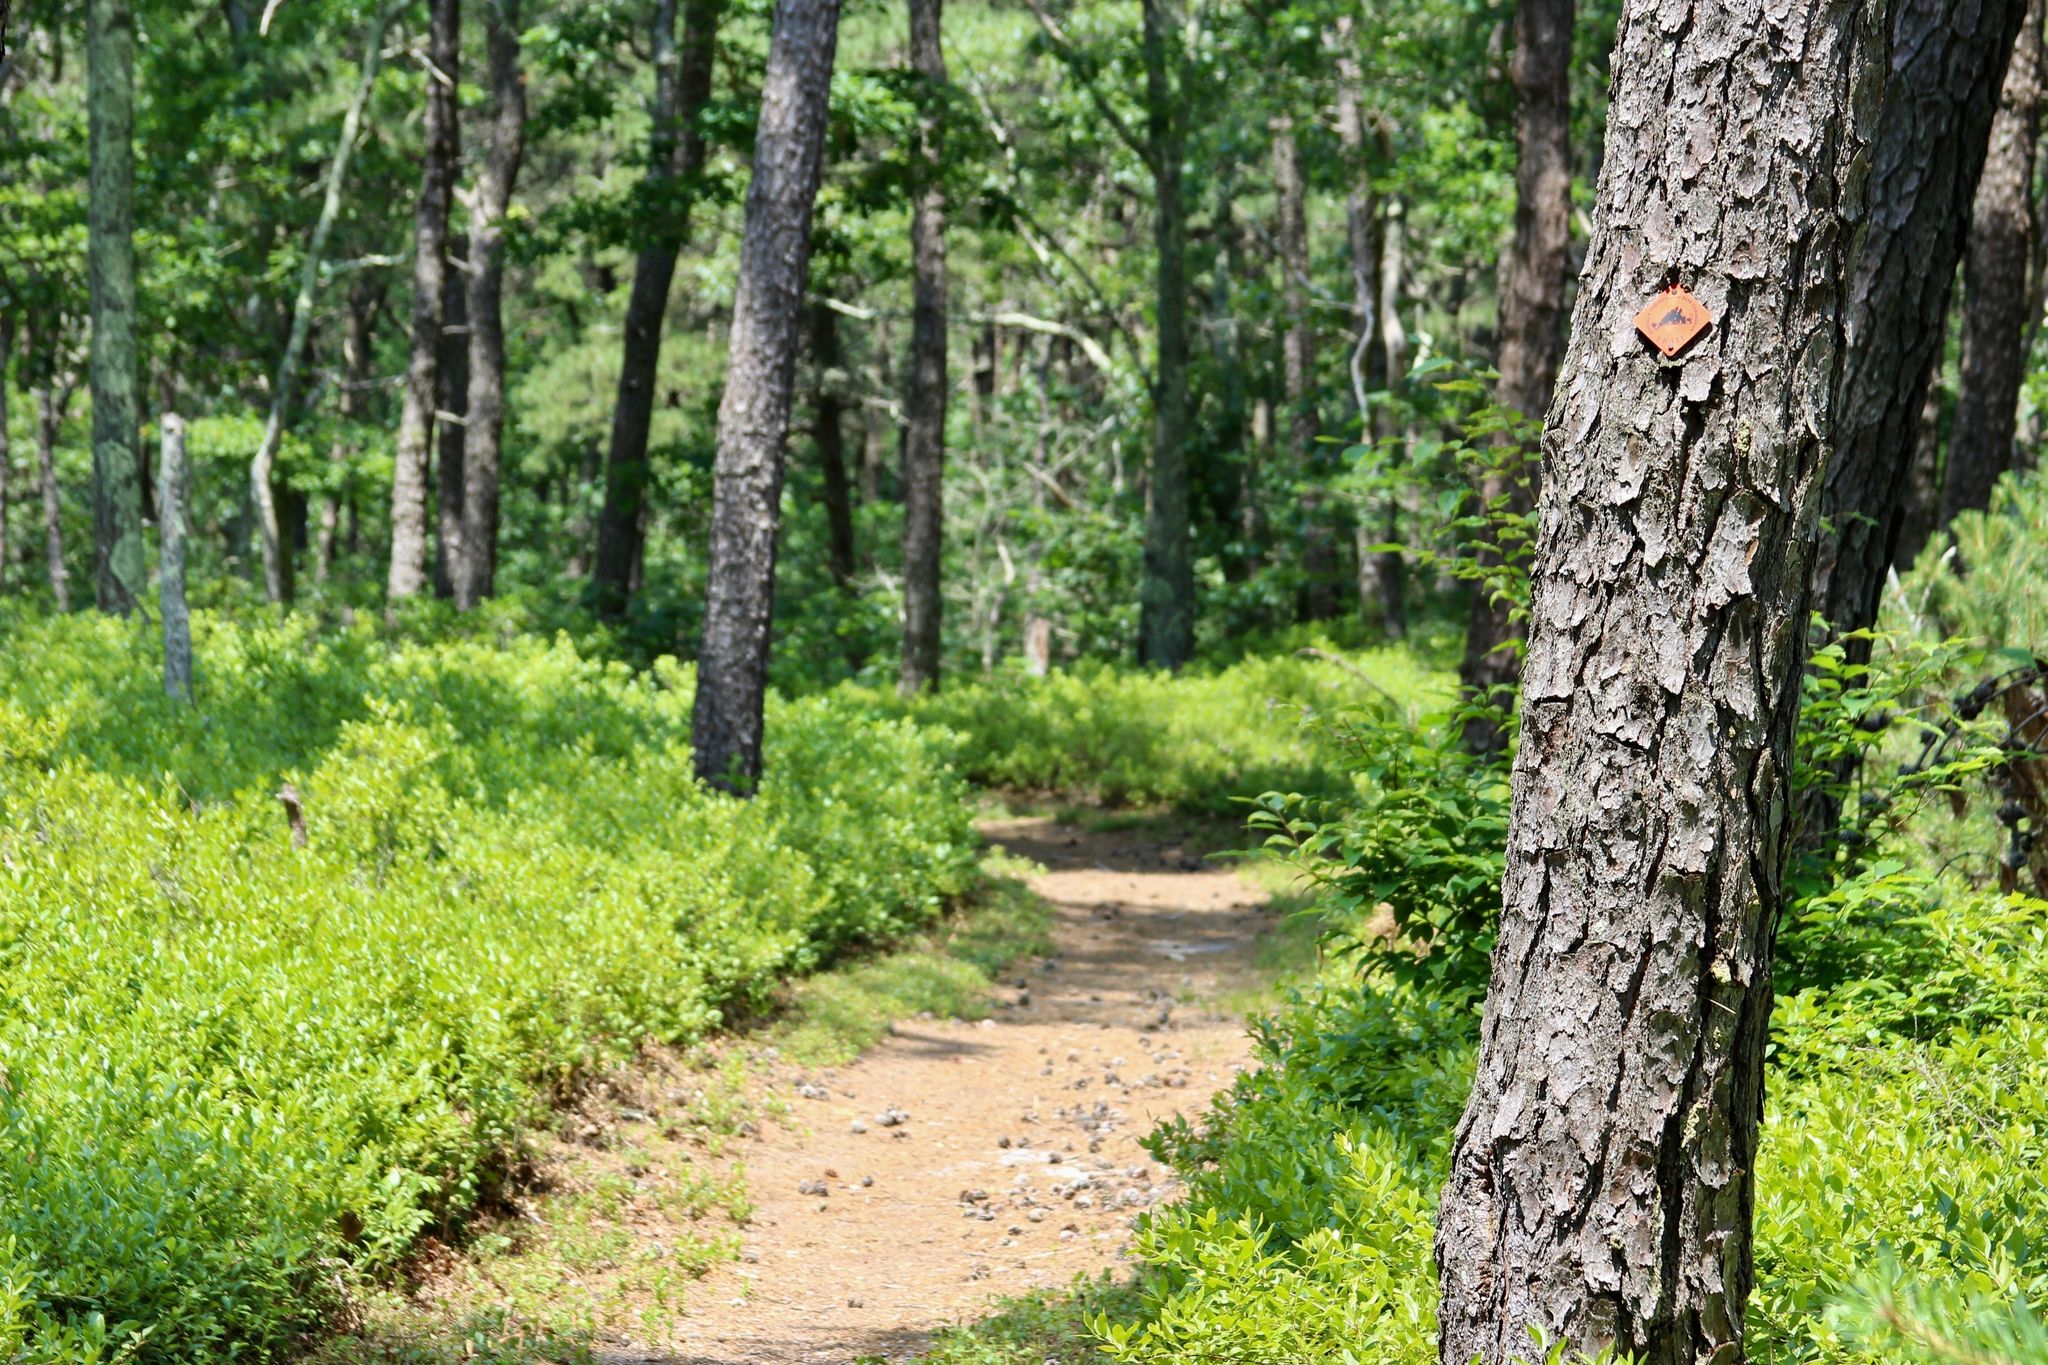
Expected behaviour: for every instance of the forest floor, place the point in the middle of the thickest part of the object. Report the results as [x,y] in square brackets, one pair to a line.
[755,1206]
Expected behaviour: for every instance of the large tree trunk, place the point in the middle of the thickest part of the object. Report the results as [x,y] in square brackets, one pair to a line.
[275,570]
[1298,379]
[1927,153]
[53,396]
[828,415]
[476,575]
[451,404]
[682,87]
[924,397]
[1531,303]
[753,416]
[1996,300]
[119,568]
[408,575]
[1167,605]
[1603,1174]
[170,502]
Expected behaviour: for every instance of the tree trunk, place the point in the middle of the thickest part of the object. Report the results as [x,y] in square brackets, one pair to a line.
[1531,306]
[408,575]
[924,397]
[451,407]
[828,411]
[1167,600]
[6,453]
[1603,1174]
[52,398]
[476,576]
[1995,295]
[285,385]
[1297,377]
[170,503]
[682,87]
[753,415]
[119,570]
[1928,152]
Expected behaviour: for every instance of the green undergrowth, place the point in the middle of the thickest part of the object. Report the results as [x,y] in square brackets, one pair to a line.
[237,1074]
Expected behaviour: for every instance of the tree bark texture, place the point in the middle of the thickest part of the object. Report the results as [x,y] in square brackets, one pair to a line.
[52,398]
[1602,1176]
[119,568]
[828,430]
[1533,281]
[408,572]
[283,389]
[924,397]
[682,87]
[1927,154]
[1167,594]
[753,415]
[1996,300]
[170,504]
[451,419]
[483,453]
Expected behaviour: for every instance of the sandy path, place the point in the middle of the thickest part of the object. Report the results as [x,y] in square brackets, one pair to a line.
[1033,1115]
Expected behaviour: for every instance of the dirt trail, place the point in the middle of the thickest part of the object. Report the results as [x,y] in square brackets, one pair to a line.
[1034,1115]
[951,1163]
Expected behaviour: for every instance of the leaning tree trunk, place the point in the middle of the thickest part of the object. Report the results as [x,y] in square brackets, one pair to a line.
[1602,1177]
[1531,307]
[1167,595]
[119,570]
[924,397]
[1298,379]
[408,574]
[1927,154]
[753,416]
[476,573]
[682,87]
[1996,300]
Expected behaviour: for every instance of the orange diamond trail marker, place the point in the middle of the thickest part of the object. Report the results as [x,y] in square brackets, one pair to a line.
[1672,319]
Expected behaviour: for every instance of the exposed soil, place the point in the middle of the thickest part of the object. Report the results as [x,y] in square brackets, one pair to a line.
[957,1161]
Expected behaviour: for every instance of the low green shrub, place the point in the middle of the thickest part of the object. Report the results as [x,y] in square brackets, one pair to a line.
[235,1072]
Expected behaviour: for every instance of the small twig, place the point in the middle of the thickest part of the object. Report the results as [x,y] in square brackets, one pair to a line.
[294,813]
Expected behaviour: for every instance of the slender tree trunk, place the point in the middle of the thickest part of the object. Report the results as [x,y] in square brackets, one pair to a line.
[119,571]
[6,453]
[1602,1177]
[682,86]
[1531,303]
[284,388]
[170,502]
[476,576]
[924,397]
[1167,606]
[753,416]
[1996,299]
[1298,380]
[1927,155]
[828,412]
[451,405]
[408,574]
[52,398]
[365,297]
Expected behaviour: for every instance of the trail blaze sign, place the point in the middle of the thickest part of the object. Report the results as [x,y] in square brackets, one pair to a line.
[1672,319]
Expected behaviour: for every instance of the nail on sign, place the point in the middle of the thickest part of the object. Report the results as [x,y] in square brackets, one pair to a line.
[1672,319]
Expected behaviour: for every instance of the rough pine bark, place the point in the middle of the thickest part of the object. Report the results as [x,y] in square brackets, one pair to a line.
[408,572]
[1926,155]
[170,502]
[1602,1176]
[1533,281]
[1167,592]
[119,571]
[682,87]
[924,396]
[753,414]
[476,573]
[1996,299]
[828,430]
